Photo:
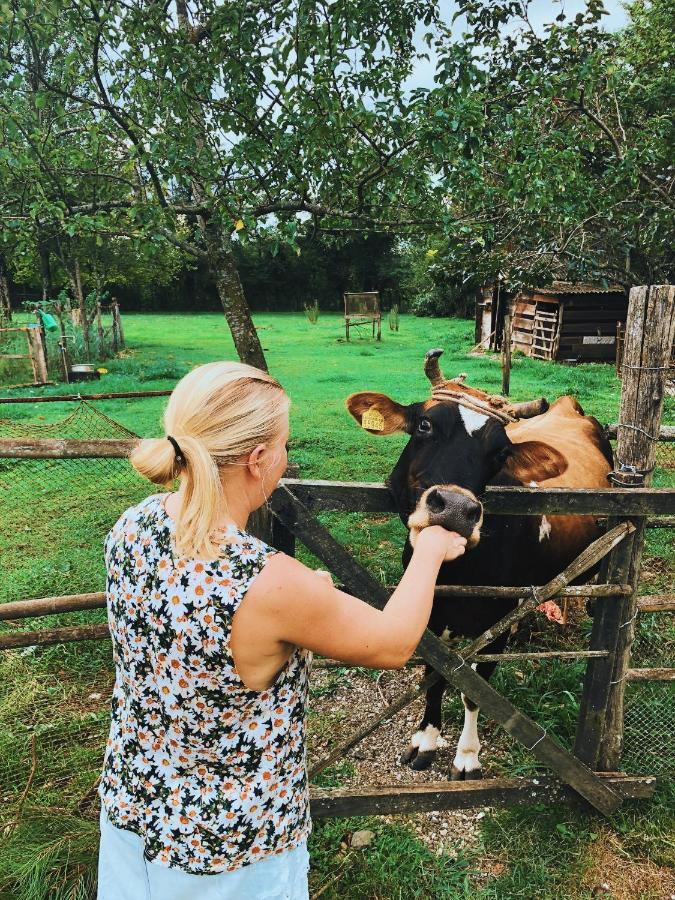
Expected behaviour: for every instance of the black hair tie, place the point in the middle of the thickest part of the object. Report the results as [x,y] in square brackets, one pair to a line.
[180,459]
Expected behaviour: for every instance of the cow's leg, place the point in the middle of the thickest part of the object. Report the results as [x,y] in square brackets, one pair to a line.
[466,765]
[424,743]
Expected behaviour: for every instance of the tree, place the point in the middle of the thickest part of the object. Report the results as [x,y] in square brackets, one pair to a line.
[204,120]
[555,144]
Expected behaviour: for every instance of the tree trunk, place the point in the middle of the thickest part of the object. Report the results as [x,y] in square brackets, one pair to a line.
[5,302]
[231,294]
[219,249]
[76,282]
[45,269]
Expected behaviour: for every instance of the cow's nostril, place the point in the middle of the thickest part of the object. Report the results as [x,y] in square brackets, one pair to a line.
[435,501]
[474,514]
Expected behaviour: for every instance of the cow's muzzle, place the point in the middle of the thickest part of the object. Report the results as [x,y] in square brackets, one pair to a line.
[451,506]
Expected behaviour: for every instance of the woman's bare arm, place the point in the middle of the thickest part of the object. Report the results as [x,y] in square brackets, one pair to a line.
[289,604]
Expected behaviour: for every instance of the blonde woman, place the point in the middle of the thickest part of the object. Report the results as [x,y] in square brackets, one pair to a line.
[204,788]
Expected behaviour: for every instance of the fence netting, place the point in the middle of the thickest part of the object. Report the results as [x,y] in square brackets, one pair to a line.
[15,364]
[54,700]
[649,706]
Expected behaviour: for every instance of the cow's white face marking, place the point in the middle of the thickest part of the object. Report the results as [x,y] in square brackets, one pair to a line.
[473,421]
[428,739]
[544,529]
[468,746]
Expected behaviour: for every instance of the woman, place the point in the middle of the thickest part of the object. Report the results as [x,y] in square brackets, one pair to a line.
[204,789]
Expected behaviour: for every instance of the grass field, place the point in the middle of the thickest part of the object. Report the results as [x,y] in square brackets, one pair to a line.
[53,712]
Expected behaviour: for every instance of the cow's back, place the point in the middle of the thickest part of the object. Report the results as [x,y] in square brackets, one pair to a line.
[581,441]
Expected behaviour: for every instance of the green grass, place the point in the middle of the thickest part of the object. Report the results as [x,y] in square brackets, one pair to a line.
[54,516]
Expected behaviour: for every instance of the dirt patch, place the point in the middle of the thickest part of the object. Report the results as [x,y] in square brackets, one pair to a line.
[375,761]
[613,874]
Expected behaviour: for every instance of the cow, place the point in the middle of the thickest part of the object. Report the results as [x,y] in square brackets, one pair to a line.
[460,441]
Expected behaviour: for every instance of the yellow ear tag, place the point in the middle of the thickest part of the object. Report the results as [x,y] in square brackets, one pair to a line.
[372,420]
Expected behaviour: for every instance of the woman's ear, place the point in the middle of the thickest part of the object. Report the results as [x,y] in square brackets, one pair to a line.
[254,459]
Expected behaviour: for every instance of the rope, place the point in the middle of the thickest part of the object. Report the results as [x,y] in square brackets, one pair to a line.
[473,404]
[84,421]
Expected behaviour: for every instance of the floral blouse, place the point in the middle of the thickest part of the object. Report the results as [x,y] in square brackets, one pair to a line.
[210,774]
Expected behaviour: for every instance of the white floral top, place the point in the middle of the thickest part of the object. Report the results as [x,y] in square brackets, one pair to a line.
[210,774]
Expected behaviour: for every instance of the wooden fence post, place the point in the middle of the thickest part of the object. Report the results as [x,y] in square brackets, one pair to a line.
[647,346]
[120,329]
[117,335]
[38,354]
[506,352]
[99,329]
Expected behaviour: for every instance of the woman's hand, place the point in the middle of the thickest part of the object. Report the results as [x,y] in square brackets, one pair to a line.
[436,539]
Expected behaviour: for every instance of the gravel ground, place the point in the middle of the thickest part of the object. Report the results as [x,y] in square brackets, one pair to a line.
[344,700]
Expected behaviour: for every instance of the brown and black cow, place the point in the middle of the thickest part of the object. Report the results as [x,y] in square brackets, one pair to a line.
[462,440]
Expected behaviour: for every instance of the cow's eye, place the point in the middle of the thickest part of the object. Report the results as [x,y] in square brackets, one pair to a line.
[424,426]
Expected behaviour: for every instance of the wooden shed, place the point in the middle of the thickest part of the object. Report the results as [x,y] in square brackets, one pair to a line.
[564,321]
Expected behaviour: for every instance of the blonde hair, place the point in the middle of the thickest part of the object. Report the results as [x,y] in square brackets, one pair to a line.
[217,414]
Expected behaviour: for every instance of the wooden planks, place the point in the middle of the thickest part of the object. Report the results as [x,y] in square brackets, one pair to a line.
[650,675]
[445,795]
[60,398]
[445,661]
[46,636]
[319,496]
[649,337]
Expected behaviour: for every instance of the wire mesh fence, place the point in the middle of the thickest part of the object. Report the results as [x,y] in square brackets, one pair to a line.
[54,701]
[56,512]
[15,363]
[649,707]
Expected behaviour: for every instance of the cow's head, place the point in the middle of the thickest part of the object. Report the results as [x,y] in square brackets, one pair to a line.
[458,445]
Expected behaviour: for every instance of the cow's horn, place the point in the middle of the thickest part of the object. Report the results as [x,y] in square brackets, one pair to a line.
[529,409]
[431,368]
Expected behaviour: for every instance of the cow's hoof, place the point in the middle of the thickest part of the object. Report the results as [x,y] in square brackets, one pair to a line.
[409,755]
[462,775]
[423,760]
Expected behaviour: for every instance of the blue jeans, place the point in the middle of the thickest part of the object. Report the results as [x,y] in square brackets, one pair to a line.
[125,874]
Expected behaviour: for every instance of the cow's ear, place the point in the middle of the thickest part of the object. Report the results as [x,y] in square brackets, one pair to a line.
[534,461]
[384,414]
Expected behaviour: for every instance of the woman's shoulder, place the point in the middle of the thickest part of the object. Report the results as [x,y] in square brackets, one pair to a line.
[134,516]
[285,576]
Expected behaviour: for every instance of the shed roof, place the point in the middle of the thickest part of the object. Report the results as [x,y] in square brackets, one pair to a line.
[569,287]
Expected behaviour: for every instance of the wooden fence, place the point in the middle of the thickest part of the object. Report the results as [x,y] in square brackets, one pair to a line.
[588,772]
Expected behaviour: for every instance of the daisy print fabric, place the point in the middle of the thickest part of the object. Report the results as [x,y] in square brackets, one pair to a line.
[210,774]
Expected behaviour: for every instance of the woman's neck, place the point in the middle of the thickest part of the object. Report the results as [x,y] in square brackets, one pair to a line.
[233,508]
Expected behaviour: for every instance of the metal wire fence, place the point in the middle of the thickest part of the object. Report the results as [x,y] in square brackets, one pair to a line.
[649,707]
[54,702]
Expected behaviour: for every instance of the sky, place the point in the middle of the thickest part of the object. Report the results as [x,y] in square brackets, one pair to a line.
[540,12]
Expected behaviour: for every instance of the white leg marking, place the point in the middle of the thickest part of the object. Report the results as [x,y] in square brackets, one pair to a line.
[473,421]
[446,637]
[544,529]
[429,739]
[468,746]
[533,484]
